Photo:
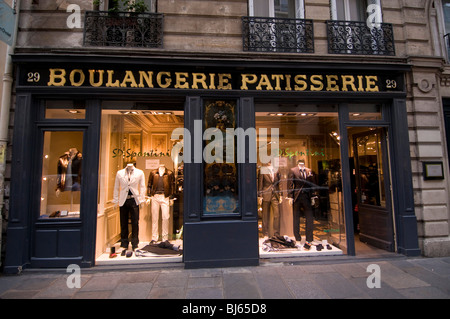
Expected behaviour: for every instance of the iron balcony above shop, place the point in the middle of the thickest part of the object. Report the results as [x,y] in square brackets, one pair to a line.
[277,35]
[357,37]
[123,29]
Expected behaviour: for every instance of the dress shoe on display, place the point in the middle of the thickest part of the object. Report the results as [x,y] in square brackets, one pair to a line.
[112,252]
[124,251]
[319,247]
[329,247]
[129,253]
[307,246]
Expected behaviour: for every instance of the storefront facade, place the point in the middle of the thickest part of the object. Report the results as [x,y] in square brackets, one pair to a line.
[216,126]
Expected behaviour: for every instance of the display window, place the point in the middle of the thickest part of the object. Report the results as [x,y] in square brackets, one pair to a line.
[140,193]
[61,174]
[300,206]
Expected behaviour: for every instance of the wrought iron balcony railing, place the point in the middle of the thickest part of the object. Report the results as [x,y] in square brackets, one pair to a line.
[277,35]
[355,37]
[123,29]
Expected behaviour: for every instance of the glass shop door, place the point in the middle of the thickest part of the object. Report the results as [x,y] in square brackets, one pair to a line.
[373,207]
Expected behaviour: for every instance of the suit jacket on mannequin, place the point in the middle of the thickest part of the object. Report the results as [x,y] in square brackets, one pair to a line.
[268,185]
[63,164]
[299,182]
[168,182]
[134,183]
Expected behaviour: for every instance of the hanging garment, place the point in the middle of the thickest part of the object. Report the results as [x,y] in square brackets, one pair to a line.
[69,172]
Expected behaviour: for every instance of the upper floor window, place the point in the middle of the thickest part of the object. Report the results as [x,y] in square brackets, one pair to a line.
[357,28]
[354,10]
[277,8]
[277,26]
[124,23]
[132,5]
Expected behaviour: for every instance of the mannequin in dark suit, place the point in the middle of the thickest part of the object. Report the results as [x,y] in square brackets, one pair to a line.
[268,191]
[300,194]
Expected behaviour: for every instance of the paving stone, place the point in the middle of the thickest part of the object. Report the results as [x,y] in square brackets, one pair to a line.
[97,283]
[272,286]
[175,279]
[58,289]
[137,290]
[355,270]
[424,293]
[92,294]
[35,283]
[439,267]
[167,293]
[209,272]
[205,293]
[10,282]
[398,278]
[336,286]
[240,286]
[384,292]
[19,294]
[305,288]
[139,277]
[208,282]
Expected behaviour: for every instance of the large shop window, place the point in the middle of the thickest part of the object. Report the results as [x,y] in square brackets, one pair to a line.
[299,180]
[61,174]
[140,205]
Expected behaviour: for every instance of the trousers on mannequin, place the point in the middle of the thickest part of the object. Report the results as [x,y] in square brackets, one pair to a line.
[304,202]
[160,188]
[129,209]
[266,206]
[163,203]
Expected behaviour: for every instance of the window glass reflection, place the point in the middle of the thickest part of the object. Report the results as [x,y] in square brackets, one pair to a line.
[61,174]
[299,190]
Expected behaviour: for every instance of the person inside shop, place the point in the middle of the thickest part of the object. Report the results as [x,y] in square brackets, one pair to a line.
[269,197]
[129,194]
[300,196]
[160,189]
[69,171]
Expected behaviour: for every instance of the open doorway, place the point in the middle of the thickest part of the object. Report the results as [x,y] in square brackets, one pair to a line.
[371,195]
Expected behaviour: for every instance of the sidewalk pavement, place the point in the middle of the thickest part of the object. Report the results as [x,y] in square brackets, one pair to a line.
[341,278]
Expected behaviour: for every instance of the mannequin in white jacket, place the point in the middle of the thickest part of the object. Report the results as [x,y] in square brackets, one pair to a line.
[129,193]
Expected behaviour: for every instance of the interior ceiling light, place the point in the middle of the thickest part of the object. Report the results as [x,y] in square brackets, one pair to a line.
[157,112]
[73,111]
[129,112]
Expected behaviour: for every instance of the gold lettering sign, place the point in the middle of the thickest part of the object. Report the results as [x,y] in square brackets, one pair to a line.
[214,81]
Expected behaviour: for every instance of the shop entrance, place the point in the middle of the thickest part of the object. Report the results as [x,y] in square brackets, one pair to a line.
[372,209]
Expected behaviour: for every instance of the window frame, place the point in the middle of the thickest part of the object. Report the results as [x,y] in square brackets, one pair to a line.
[299,8]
